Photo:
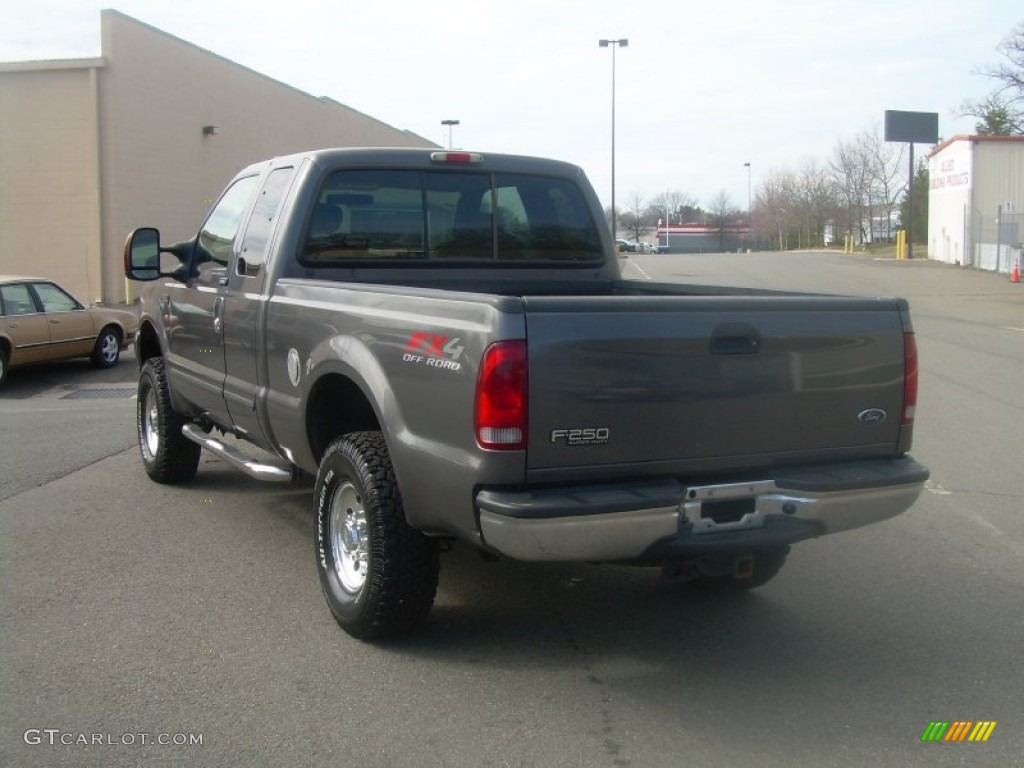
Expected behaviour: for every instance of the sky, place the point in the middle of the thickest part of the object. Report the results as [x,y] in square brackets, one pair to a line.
[701,88]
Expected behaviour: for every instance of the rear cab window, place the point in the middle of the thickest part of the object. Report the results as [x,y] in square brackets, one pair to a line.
[414,216]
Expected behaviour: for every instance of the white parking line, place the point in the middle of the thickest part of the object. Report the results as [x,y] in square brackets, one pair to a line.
[638,268]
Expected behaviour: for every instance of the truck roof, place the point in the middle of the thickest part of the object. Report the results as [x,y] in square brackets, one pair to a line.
[436,158]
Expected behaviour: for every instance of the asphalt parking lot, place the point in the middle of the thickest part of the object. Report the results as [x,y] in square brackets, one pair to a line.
[185,625]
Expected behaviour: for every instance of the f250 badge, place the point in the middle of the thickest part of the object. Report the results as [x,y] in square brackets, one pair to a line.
[581,436]
[434,351]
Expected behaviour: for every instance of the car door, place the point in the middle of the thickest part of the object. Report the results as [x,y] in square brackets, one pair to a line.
[242,306]
[193,313]
[27,328]
[71,329]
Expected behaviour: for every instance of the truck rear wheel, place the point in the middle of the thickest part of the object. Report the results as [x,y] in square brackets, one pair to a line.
[378,574]
[168,456]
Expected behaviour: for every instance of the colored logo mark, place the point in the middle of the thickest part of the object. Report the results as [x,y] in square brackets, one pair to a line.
[958,730]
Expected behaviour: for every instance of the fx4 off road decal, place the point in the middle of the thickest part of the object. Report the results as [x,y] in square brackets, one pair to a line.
[434,351]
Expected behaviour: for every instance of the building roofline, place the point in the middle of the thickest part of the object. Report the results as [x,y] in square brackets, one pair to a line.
[326,100]
[974,138]
[41,65]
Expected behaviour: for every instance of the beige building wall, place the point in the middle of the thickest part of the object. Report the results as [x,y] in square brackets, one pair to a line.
[999,167]
[49,177]
[117,143]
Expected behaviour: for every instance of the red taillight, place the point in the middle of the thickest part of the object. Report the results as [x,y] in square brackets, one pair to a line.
[500,418]
[909,378]
[457,158]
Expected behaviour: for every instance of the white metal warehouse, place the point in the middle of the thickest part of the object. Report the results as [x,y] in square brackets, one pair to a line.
[976,201]
[145,135]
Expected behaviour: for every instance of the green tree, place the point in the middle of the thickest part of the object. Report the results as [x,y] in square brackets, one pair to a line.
[996,118]
[919,223]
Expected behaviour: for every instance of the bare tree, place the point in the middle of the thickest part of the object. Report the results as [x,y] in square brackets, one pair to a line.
[773,207]
[673,205]
[851,172]
[819,201]
[887,168]
[634,218]
[1002,112]
[722,213]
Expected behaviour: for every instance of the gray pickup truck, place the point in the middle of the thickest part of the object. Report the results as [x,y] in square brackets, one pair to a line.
[445,341]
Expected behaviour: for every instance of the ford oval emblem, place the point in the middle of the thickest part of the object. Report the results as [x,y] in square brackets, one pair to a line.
[872,416]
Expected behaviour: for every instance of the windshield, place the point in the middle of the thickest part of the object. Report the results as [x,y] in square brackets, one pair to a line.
[413,215]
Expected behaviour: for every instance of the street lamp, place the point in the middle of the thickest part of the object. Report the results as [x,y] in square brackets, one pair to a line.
[613,44]
[749,227]
[449,123]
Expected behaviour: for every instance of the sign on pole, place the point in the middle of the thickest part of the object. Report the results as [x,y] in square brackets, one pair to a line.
[921,127]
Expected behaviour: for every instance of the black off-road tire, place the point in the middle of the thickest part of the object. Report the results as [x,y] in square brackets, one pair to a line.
[378,574]
[107,350]
[767,564]
[168,456]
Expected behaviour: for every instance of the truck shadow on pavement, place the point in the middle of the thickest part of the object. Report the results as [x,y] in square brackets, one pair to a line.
[618,631]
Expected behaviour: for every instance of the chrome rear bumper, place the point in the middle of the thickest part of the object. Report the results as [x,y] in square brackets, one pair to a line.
[667,518]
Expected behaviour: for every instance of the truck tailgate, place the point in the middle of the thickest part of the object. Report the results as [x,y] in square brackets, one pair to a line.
[706,384]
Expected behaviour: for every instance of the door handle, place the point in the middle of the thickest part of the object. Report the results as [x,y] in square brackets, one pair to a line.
[735,339]
[218,315]
[55,322]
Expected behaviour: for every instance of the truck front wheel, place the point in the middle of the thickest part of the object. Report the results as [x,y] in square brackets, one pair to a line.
[378,574]
[167,455]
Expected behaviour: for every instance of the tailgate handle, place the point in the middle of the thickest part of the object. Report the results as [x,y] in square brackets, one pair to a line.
[735,339]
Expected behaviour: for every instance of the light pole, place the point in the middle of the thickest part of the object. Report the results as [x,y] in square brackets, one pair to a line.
[449,123]
[750,228]
[613,44]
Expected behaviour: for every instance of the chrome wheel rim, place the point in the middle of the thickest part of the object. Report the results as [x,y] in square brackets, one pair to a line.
[108,348]
[349,538]
[150,420]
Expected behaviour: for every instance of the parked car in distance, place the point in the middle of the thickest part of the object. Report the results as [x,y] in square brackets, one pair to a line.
[624,246]
[41,322]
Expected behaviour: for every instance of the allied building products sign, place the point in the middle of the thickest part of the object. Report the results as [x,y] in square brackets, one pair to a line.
[950,171]
[913,127]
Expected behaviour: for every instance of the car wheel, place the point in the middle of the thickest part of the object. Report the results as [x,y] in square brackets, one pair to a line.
[378,574]
[744,571]
[108,348]
[167,455]
[3,365]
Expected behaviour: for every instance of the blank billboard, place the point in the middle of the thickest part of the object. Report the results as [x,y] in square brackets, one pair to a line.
[914,127]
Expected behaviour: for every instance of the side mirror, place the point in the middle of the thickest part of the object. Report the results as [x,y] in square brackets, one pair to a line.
[145,260]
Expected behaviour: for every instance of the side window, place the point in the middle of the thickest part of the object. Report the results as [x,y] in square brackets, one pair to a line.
[18,300]
[218,233]
[261,223]
[54,299]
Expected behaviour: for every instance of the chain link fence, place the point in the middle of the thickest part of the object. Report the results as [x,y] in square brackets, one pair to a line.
[995,240]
